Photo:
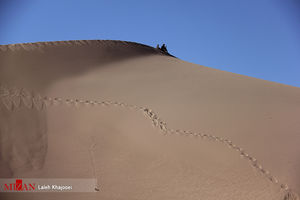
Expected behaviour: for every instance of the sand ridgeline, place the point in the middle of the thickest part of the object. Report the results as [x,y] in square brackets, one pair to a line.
[130,159]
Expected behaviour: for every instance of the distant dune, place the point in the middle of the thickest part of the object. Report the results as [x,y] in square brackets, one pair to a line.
[147,125]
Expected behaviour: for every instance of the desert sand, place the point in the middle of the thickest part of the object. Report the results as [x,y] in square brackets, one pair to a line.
[145,124]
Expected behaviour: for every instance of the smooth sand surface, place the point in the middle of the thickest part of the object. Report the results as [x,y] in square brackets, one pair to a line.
[131,158]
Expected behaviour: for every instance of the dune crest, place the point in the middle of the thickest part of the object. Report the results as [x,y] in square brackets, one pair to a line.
[96,43]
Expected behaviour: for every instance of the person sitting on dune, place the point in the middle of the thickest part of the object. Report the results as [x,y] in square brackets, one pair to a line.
[164,48]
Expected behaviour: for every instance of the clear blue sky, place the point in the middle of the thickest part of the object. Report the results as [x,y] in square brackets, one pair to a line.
[258,38]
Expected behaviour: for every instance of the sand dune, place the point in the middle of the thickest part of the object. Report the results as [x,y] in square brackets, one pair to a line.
[205,134]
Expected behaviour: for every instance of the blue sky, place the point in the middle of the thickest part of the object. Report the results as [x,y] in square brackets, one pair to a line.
[258,38]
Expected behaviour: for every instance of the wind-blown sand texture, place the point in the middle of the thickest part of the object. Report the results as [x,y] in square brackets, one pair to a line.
[74,109]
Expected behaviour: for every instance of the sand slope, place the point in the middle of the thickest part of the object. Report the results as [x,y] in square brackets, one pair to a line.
[133,159]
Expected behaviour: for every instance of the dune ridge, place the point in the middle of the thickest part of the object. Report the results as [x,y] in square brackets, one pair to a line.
[68,43]
[13,98]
